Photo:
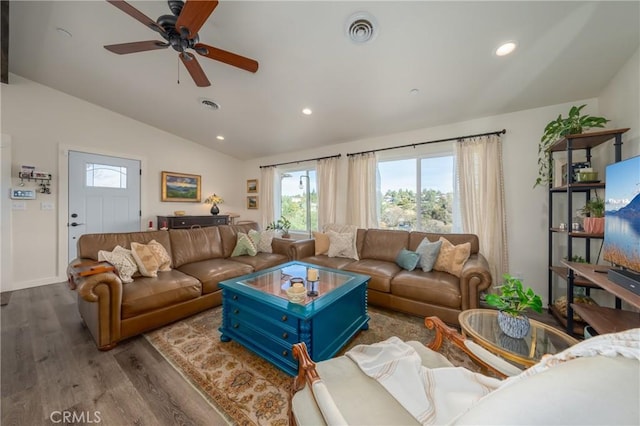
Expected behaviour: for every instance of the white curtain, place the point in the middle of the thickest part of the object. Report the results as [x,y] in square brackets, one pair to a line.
[362,205]
[327,173]
[267,200]
[480,185]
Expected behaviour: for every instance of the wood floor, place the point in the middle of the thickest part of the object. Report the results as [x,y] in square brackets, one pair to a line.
[50,366]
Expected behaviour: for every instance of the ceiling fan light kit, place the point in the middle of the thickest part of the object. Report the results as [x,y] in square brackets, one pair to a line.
[180,31]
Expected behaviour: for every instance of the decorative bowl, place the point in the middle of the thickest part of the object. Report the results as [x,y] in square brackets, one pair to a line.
[179,213]
[296,294]
[587,176]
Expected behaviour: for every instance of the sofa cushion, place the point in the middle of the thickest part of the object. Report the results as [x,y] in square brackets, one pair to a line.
[344,229]
[262,240]
[193,245]
[261,260]
[147,294]
[407,259]
[341,245]
[161,255]
[145,259]
[210,272]
[451,258]
[90,244]
[329,262]
[321,242]
[428,252]
[384,244]
[438,288]
[416,237]
[229,235]
[123,261]
[381,272]
[244,246]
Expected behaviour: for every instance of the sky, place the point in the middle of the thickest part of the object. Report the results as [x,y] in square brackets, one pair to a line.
[437,173]
[622,183]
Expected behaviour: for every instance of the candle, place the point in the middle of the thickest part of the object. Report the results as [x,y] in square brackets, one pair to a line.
[297,285]
[312,274]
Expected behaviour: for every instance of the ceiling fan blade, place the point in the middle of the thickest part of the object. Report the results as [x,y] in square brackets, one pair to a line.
[194,69]
[226,57]
[136,14]
[136,46]
[194,14]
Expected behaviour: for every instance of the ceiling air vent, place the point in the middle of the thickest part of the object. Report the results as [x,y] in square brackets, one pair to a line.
[361,27]
[209,104]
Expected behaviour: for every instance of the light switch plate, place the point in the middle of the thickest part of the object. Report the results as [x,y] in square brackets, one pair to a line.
[46,205]
[18,205]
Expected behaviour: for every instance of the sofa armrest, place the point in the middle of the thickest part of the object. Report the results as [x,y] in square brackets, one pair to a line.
[474,278]
[282,246]
[100,304]
[303,248]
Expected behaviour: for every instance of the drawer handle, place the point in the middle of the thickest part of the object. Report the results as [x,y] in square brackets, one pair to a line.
[236,311]
[285,353]
[285,335]
[284,318]
[235,297]
[236,325]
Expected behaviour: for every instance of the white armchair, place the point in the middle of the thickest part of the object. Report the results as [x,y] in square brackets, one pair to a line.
[588,390]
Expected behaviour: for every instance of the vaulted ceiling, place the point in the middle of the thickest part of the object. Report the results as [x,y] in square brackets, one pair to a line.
[565,51]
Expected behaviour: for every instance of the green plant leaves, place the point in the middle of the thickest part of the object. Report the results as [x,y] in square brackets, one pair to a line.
[513,298]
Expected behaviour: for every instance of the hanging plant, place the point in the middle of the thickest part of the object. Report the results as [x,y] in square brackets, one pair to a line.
[573,124]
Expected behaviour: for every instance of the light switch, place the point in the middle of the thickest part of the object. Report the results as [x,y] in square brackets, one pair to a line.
[46,205]
[18,205]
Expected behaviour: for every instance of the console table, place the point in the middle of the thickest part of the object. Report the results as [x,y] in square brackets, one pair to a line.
[602,319]
[186,222]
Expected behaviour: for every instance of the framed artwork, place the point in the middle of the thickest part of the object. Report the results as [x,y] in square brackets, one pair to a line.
[252,202]
[180,187]
[252,186]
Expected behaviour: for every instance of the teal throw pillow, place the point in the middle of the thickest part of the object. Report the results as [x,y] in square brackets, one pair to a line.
[428,252]
[244,245]
[407,259]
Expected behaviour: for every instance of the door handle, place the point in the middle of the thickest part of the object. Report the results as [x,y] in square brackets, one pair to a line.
[76,224]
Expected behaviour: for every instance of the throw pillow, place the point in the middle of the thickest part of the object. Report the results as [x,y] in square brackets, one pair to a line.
[341,245]
[428,252]
[123,260]
[161,255]
[321,242]
[451,258]
[345,229]
[244,246]
[407,259]
[146,260]
[262,240]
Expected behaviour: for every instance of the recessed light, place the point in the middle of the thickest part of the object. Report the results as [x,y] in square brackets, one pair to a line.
[414,91]
[63,32]
[209,104]
[307,111]
[220,137]
[506,48]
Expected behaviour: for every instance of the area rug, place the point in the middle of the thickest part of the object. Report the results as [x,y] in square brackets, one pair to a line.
[248,390]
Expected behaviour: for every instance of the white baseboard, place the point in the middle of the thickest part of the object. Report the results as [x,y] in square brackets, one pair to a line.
[19,285]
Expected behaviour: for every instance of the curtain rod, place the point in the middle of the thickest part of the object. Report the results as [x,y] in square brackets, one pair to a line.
[497,132]
[302,161]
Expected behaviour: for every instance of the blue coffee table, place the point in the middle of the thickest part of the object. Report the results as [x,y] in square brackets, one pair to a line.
[257,313]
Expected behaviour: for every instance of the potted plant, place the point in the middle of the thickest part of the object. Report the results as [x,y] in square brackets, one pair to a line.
[282,225]
[573,124]
[593,211]
[512,302]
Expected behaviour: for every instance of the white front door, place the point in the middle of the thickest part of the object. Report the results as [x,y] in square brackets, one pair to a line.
[104,196]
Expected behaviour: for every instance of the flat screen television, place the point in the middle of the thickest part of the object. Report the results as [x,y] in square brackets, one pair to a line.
[622,223]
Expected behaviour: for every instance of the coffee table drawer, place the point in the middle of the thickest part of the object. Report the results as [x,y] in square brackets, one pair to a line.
[275,327]
[274,350]
[266,311]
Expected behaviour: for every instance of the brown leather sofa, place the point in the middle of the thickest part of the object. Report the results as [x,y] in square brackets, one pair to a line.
[113,311]
[414,292]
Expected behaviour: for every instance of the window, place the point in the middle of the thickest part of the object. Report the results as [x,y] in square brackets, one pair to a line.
[299,199]
[105,176]
[400,181]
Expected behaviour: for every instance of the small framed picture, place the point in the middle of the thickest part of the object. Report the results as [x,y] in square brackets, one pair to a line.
[180,187]
[560,173]
[252,186]
[252,202]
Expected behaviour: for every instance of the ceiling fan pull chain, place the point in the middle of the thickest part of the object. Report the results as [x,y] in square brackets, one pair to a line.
[178,70]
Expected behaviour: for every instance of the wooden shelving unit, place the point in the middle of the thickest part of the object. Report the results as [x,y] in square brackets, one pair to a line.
[569,144]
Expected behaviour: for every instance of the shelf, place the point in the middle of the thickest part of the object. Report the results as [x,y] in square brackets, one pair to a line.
[607,320]
[578,187]
[588,271]
[577,280]
[576,234]
[578,326]
[586,140]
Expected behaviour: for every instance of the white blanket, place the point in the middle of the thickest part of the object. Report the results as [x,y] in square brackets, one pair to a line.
[432,396]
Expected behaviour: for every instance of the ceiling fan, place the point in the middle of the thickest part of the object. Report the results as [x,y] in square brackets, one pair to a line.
[180,31]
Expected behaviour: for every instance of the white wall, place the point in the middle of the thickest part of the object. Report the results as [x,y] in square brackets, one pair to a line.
[43,123]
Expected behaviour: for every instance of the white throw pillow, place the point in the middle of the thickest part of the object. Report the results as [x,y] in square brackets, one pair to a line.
[123,261]
[345,229]
[341,245]
[262,240]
